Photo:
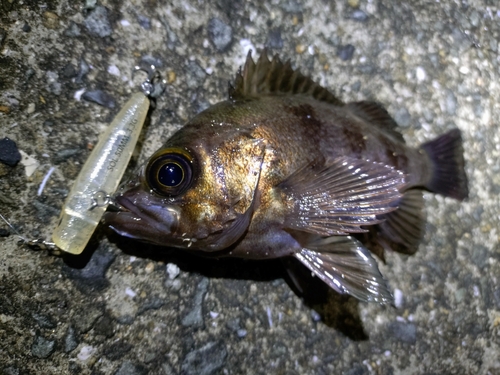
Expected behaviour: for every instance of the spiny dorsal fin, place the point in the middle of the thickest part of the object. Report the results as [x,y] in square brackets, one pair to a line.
[275,77]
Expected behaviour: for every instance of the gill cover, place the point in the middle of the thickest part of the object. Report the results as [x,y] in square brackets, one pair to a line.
[239,164]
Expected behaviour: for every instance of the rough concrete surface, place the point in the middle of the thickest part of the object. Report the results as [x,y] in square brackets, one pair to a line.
[128,308]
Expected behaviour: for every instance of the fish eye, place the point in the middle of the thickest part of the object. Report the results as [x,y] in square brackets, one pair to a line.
[169,172]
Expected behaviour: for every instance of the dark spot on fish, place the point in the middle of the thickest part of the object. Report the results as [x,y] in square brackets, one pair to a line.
[356,141]
[308,116]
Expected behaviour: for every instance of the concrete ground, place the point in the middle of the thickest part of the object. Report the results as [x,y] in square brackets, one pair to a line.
[127,308]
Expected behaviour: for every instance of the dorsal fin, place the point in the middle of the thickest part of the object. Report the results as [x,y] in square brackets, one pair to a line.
[275,77]
[375,114]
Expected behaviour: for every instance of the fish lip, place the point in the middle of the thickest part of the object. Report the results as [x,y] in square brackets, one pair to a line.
[126,205]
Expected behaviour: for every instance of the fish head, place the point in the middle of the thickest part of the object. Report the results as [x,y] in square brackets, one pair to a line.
[192,193]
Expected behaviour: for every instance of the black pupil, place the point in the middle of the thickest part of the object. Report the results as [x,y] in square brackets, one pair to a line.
[170,174]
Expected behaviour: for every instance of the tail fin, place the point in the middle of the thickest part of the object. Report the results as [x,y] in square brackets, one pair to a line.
[449,177]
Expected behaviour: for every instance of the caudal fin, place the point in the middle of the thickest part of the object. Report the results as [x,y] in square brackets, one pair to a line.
[447,154]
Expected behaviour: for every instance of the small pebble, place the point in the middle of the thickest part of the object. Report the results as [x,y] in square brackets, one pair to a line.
[44,321]
[402,117]
[316,317]
[171,76]
[53,83]
[26,28]
[50,20]
[451,103]
[65,154]
[144,21]
[404,332]
[206,360]
[398,298]
[97,22]
[152,60]
[359,15]
[150,267]
[73,30]
[292,6]
[69,71]
[31,108]
[113,70]
[195,317]
[100,97]
[90,4]
[172,270]
[220,33]
[85,353]
[241,333]
[474,18]
[70,340]
[346,52]
[85,318]
[300,48]
[42,348]
[274,39]
[129,292]
[420,73]
[84,69]
[9,154]
[195,75]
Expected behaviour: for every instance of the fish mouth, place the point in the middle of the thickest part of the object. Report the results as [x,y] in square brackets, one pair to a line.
[148,222]
[125,205]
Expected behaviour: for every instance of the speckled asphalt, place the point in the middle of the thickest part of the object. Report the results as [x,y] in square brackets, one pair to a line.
[126,308]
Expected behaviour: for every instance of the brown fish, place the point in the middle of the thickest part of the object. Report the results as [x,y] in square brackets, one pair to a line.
[285,169]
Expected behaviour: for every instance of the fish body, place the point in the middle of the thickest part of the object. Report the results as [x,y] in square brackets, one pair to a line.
[283,168]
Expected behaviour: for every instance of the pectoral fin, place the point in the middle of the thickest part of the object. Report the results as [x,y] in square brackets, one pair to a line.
[341,196]
[347,267]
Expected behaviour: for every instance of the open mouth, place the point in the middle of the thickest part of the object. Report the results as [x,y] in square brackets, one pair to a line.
[125,205]
[149,222]
[123,213]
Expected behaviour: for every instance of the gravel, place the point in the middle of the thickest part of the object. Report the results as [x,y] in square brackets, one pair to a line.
[432,65]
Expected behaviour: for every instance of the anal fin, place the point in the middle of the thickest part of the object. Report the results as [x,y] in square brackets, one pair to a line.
[404,228]
[401,230]
[347,267]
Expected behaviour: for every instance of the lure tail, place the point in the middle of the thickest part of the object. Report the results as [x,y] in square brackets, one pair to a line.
[446,153]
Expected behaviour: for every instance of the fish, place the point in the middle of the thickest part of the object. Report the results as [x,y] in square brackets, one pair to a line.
[283,168]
